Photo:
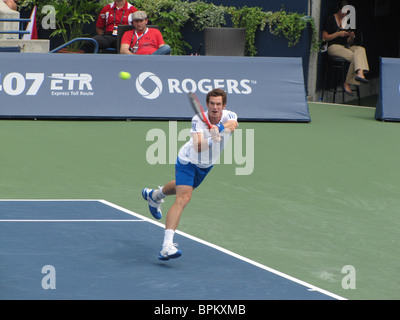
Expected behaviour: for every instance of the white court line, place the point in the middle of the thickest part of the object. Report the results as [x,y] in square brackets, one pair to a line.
[281,274]
[143,218]
[49,200]
[69,220]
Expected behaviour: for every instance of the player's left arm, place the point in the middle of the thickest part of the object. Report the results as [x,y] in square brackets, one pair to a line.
[226,127]
[230,125]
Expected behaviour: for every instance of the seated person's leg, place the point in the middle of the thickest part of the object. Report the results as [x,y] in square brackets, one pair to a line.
[164,50]
[104,41]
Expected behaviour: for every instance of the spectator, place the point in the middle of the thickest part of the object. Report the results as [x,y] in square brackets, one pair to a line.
[143,40]
[341,44]
[12,4]
[111,16]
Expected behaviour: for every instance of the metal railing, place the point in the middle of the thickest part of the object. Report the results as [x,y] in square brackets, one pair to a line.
[96,45]
[19,32]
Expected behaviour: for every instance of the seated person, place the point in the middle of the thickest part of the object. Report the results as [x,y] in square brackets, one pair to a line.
[143,40]
[12,4]
[112,15]
[340,44]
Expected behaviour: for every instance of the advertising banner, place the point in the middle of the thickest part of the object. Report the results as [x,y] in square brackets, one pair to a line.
[88,86]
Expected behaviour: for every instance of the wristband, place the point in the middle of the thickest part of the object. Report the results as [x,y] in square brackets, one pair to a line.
[221,127]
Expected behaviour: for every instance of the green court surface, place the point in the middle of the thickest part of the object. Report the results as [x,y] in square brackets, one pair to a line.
[322,196]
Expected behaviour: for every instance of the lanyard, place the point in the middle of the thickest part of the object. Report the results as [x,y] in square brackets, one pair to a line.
[115,15]
[137,38]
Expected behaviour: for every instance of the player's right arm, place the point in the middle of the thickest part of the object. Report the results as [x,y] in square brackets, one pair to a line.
[200,143]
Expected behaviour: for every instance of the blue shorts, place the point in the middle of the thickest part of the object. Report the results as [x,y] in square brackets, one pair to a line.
[189,174]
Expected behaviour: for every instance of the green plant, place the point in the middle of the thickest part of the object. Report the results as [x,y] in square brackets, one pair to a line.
[281,23]
[315,42]
[289,25]
[250,18]
[207,15]
[70,15]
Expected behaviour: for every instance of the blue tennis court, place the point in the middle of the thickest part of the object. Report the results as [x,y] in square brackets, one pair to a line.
[93,249]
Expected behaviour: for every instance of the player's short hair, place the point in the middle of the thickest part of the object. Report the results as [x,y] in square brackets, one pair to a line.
[217,93]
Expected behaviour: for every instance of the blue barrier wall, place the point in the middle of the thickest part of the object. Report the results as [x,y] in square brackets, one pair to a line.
[88,86]
[388,106]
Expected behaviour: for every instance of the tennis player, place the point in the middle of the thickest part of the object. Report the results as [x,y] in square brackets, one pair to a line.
[194,162]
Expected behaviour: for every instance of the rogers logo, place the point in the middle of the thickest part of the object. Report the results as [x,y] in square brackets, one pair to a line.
[156,81]
[231,86]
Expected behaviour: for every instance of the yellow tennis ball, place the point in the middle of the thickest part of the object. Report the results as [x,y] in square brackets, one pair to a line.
[124,75]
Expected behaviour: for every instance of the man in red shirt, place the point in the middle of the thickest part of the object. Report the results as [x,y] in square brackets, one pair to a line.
[112,15]
[143,40]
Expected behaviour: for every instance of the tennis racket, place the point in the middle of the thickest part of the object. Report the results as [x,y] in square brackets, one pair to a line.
[198,109]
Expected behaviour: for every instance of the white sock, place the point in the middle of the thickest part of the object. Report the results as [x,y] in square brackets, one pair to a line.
[158,194]
[168,236]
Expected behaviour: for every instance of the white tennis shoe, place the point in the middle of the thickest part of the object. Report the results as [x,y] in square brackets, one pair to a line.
[169,251]
[154,206]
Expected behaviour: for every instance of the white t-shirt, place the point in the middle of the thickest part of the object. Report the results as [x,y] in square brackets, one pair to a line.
[207,157]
